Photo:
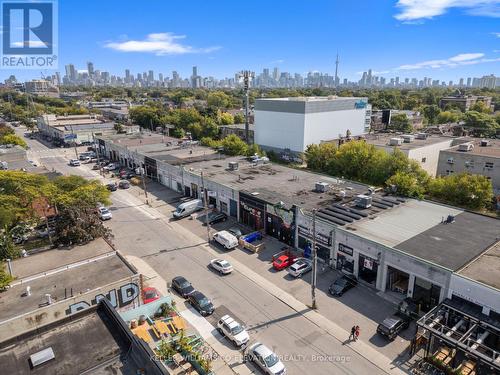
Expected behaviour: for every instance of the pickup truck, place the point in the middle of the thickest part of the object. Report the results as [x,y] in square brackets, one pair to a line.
[399,321]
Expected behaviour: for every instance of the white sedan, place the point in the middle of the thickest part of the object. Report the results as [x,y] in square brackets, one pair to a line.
[104,213]
[222,266]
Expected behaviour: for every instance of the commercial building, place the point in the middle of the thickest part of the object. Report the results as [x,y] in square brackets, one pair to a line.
[239,130]
[79,129]
[294,123]
[381,119]
[41,87]
[397,246]
[424,148]
[477,157]
[464,102]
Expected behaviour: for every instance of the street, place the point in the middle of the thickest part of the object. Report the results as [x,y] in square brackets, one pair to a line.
[171,249]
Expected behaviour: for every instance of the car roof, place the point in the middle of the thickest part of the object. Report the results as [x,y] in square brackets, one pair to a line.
[390,321]
[198,295]
[262,350]
[229,321]
[283,257]
[179,279]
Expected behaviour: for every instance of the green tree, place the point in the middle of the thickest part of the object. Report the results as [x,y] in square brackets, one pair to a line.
[319,156]
[401,123]
[234,145]
[463,189]
[239,118]
[405,184]
[431,113]
[5,278]
[254,149]
[446,117]
[480,107]
[12,139]
[8,250]
[218,99]
[226,119]
[482,124]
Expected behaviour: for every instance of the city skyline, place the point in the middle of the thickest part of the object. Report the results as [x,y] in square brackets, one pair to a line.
[396,38]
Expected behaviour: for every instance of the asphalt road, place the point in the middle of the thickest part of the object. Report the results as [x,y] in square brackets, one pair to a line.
[141,231]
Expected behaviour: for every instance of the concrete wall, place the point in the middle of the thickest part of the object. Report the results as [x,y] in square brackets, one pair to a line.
[280,130]
[472,163]
[325,126]
[120,293]
[475,292]
[431,155]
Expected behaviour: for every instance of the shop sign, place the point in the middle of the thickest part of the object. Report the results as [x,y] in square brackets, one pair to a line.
[368,264]
[346,249]
[320,237]
[212,193]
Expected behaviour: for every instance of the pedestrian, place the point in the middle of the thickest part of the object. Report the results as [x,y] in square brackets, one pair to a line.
[353,332]
[356,333]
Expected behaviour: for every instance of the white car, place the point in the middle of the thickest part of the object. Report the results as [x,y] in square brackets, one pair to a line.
[264,358]
[74,162]
[104,213]
[226,239]
[222,266]
[300,267]
[233,331]
[110,167]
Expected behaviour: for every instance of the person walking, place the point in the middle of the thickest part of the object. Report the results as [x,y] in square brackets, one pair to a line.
[353,332]
[356,333]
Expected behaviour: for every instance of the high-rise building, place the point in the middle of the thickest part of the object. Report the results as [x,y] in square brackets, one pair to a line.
[469,81]
[151,76]
[90,69]
[160,77]
[127,76]
[276,74]
[70,72]
[461,82]
[195,79]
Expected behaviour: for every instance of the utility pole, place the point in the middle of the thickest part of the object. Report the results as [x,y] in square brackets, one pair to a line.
[96,150]
[205,195]
[143,173]
[247,75]
[314,262]
[74,140]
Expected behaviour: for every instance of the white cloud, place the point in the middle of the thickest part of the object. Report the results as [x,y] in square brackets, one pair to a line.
[458,60]
[496,34]
[159,44]
[412,10]
[279,61]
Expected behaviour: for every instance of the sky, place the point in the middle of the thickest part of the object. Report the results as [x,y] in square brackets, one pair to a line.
[443,39]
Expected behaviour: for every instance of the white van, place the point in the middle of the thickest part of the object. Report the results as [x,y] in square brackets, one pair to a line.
[226,239]
[187,208]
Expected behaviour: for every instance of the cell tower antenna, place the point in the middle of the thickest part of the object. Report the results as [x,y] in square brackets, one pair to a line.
[337,70]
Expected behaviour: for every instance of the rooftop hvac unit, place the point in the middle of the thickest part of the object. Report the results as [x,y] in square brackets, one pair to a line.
[408,138]
[421,136]
[395,142]
[450,161]
[484,142]
[363,201]
[233,166]
[321,187]
[466,147]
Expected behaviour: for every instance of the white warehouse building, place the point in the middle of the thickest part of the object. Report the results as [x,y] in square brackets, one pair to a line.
[296,122]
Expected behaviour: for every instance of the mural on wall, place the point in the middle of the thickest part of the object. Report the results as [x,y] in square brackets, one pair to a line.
[124,296]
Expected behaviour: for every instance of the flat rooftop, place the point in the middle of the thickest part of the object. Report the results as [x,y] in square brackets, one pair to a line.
[491,150]
[383,139]
[59,281]
[485,268]
[310,98]
[86,341]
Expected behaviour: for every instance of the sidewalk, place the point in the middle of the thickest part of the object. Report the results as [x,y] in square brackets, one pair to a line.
[226,363]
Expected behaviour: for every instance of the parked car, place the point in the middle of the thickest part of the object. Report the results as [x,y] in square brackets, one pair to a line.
[188,208]
[182,286]
[201,303]
[112,186]
[124,184]
[342,285]
[400,320]
[129,175]
[104,213]
[86,160]
[96,167]
[235,231]
[265,359]
[222,266]
[215,217]
[283,261]
[233,331]
[300,267]
[226,239]
[74,162]
[150,294]
[110,167]
[44,233]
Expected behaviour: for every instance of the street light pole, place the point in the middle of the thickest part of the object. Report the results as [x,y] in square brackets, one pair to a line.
[205,195]
[314,262]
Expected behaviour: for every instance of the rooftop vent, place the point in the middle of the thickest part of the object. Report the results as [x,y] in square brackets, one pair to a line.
[233,166]
[408,138]
[321,187]
[466,147]
[395,142]
[254,193]
[363,201]
[41,357]
[421,136]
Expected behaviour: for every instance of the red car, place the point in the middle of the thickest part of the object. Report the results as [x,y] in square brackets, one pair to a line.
[150,295]
[283,261]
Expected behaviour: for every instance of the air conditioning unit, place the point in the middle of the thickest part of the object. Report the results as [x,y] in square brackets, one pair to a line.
[233,166]
[451,161]
[395,142]
[464,147]
[421,136]
[363,201]
[484,143]
[408,138]
[321,187]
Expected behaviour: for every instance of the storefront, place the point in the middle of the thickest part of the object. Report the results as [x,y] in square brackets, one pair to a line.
[323,243]
[367,269]
[345,258]
[279,223]
[252,211]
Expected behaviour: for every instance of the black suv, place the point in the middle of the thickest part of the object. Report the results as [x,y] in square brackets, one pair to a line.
[201,303]
[182,286]
[392,325]
[342,285]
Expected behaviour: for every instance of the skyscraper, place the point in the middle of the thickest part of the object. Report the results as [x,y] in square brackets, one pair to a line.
[194,78]
[151,76]
[276,74]
[90,69]
[70,72]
